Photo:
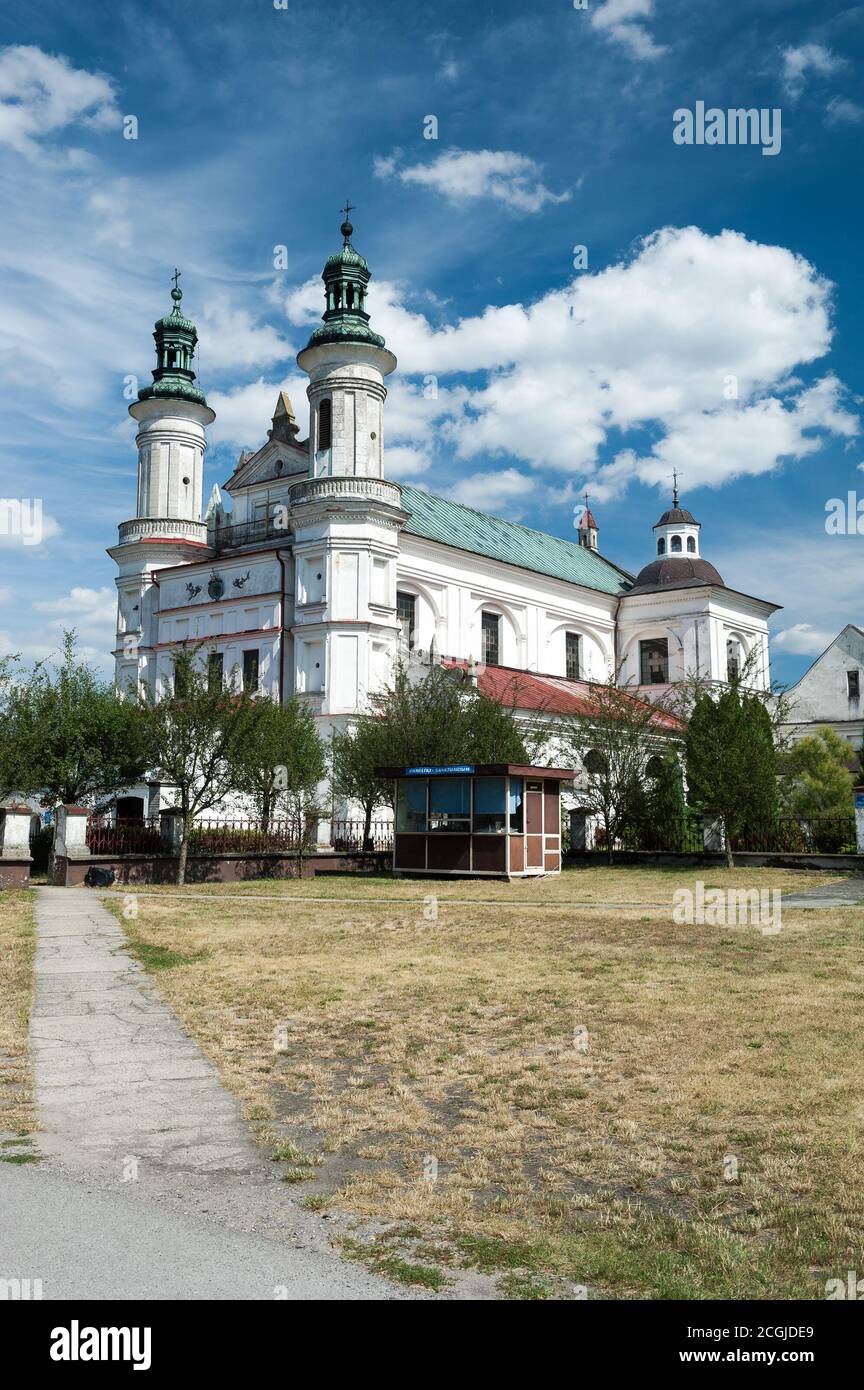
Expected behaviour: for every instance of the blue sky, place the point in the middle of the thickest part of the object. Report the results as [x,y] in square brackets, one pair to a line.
[711,269]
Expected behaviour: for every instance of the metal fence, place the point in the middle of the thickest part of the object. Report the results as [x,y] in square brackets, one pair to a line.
[247,837]
[349,836]
[680,836]
[109,835]
[785,835]
[797,835]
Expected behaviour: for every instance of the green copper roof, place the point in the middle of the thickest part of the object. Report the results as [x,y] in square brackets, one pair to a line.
[346,279]
[438,519]
[176,338]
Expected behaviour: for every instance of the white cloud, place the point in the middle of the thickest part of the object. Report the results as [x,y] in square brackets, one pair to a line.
[41,95]
[92,613]
[560,375]
[243,415]
[229,337]
[507,490]
[801,61]
[404,462]
[841,111]
[622,20]
[802,639]
[462,175]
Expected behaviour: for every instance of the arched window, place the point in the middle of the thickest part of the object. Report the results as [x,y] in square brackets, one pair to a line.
[595,763]
[661,546]
[676,543]
[654,766]
[325,427]
[349,295]
[691,545]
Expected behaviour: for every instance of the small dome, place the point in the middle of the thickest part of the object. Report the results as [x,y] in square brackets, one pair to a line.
[675,572]
[347,256]
[677,514]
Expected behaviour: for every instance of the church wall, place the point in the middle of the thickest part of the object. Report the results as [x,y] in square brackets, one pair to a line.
[822,694]
[696,623]
[454,588]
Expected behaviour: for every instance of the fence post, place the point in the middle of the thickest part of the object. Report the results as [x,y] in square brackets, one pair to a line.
[15,832]
[714,834]
[859,817]
[70,835]
[171,829]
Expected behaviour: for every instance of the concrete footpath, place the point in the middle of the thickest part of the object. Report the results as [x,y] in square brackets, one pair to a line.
[152,1186]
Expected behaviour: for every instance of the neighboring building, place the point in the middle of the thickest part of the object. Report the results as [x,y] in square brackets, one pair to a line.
[325,570]
[831,693]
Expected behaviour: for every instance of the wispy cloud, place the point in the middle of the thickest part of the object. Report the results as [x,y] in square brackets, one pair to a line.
[41,95]
[800,62]
[841,111]
[624,22]
[802,639]
[465,175]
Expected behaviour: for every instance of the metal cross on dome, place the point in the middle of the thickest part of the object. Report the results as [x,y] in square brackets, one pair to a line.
[349,208]
[175,277]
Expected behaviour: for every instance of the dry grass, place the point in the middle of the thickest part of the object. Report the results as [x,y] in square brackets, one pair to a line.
[611,1100]
[17,944]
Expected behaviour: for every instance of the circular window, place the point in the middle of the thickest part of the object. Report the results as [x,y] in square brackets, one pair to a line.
[185,482]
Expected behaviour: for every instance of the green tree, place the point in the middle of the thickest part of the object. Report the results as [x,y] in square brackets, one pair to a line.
[732,762]
[281,763]
[355,753]
[199,739]
[612,740]
[65,734]
[440,719]
[815,776]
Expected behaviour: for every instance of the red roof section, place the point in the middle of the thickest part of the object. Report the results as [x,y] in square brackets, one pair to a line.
[528,690]
[588,520]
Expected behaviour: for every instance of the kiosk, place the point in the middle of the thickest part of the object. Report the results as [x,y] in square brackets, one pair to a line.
[491,820]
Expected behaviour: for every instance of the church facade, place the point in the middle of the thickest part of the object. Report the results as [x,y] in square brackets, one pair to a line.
[325,570]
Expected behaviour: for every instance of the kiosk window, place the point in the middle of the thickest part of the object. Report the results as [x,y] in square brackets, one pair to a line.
[516,813]
[450,804]
[490,806]
[411,806]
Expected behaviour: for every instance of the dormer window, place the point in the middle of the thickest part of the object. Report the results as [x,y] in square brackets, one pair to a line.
[675,545]
[691,545]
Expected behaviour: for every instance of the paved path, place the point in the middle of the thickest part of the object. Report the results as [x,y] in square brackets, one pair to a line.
[849,893]
[116,1077]
[87,1243]
[153,1187]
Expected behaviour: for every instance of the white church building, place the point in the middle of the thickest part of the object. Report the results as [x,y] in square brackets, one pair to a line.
[325,569]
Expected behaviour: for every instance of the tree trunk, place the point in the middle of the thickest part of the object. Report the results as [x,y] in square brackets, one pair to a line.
[730,858]
[181,859]
[367,826]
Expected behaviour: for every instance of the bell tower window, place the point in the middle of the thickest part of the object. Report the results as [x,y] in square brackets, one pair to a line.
[661,546]
[325,424]
[691,545]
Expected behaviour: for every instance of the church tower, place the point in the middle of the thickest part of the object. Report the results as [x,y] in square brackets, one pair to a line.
[171,414]
[345,515]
